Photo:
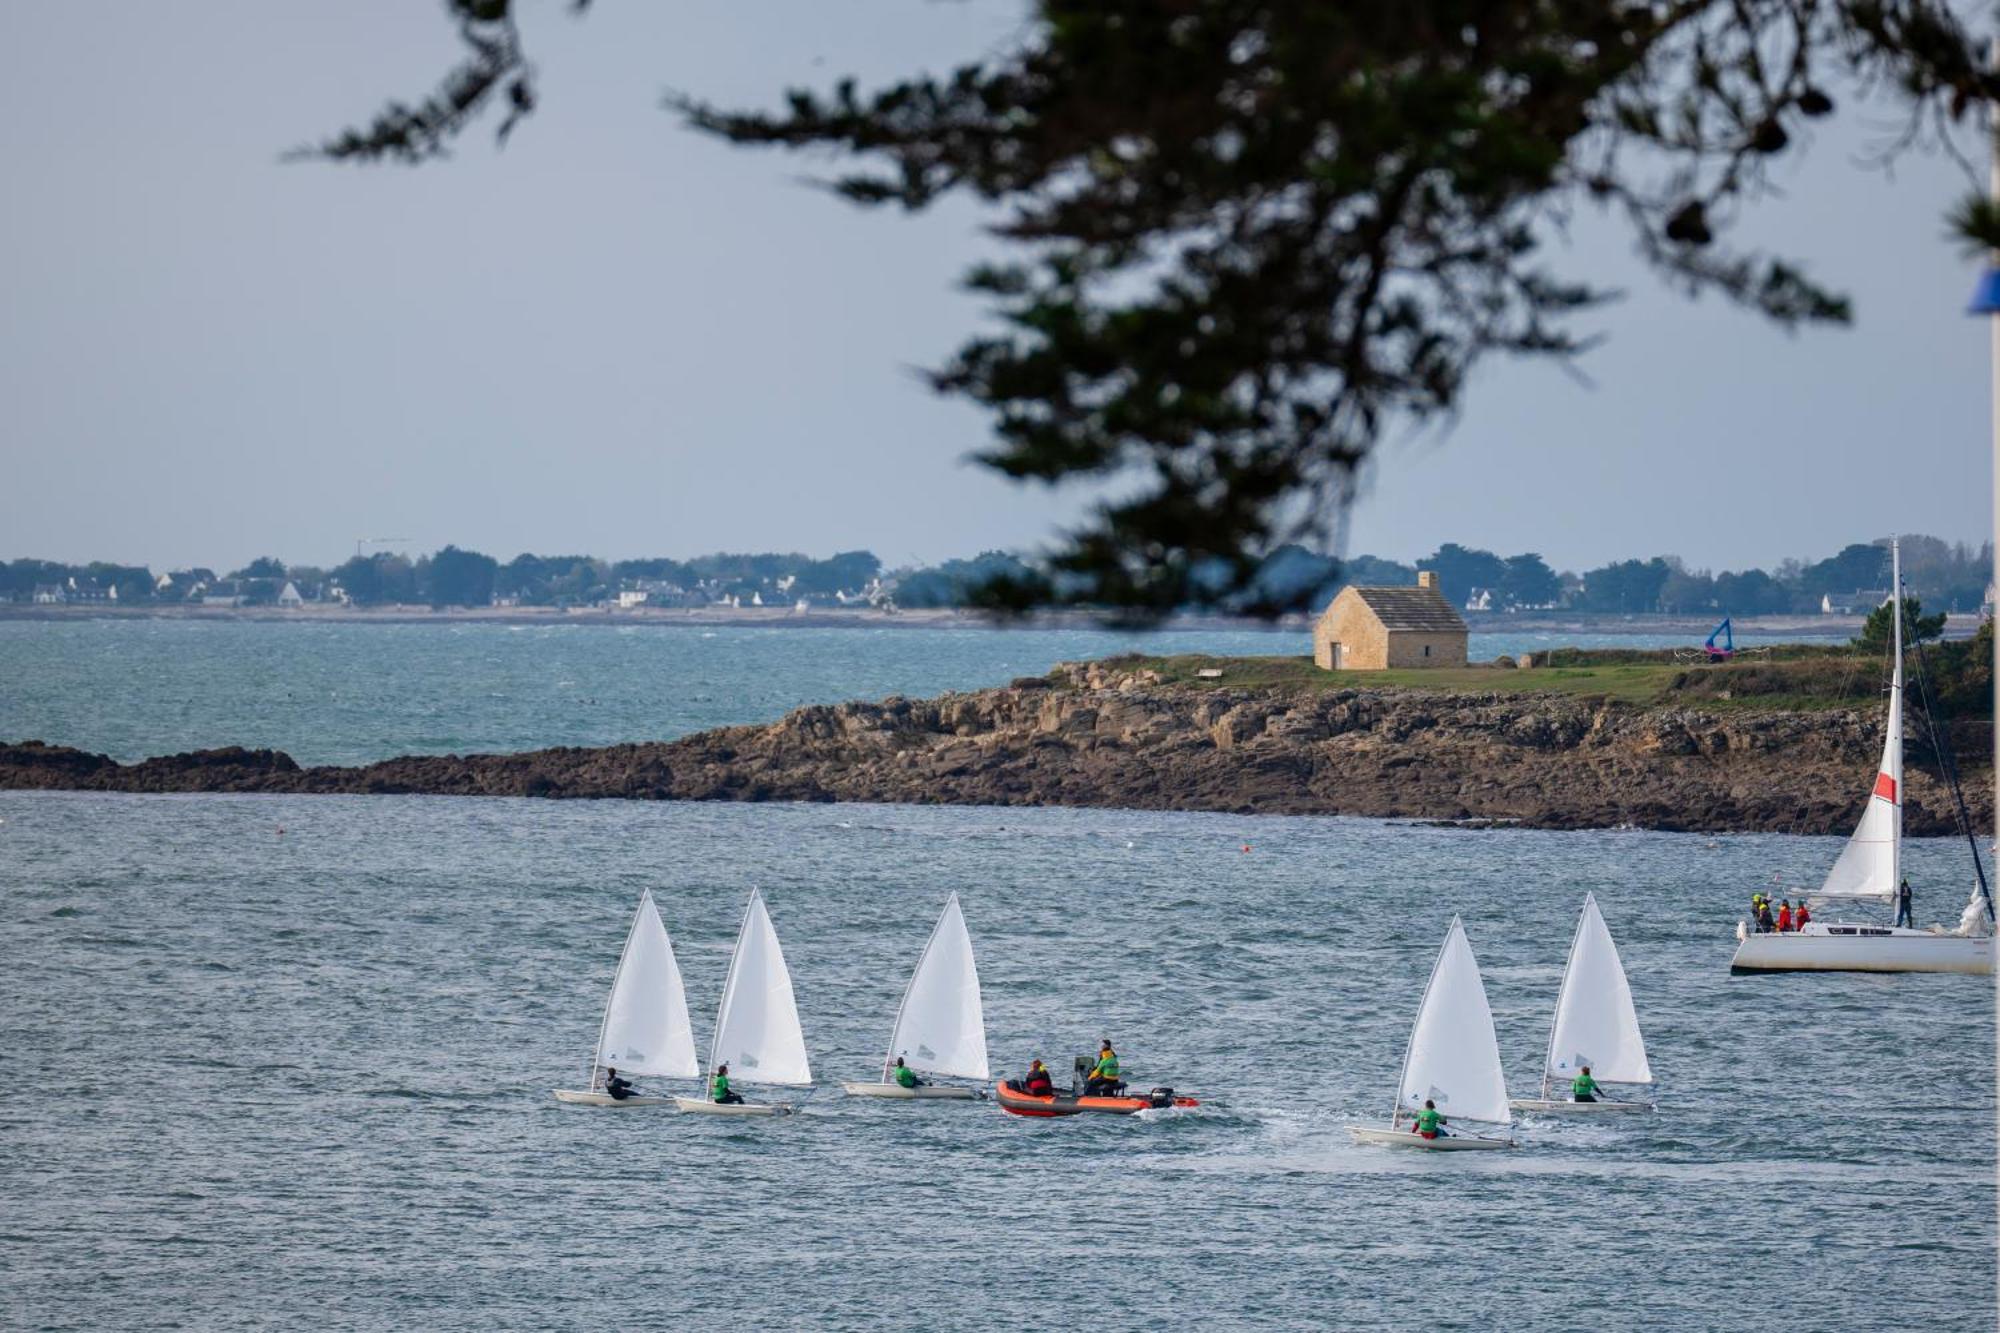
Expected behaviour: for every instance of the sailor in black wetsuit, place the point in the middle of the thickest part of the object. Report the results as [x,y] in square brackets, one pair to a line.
[1038,1083]
[617,1088]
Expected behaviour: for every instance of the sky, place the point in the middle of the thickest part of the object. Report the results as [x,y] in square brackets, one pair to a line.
[621,338]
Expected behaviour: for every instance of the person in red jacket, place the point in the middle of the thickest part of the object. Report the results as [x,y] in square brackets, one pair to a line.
[1038,1083]
[1784,916]
[1800,917]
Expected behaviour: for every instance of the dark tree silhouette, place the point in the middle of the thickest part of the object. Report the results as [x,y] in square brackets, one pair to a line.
[1248,238]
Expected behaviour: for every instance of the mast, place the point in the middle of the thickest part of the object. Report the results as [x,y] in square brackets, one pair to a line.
[597,1051]
[1549,1058]
[896,1027]
[1896,717]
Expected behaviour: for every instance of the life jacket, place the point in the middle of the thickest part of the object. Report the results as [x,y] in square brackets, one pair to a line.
[1038,1083]
[1107,1066]
[1799,921]
[1784,918]
[1428,1121]
[718,1087]
[1583,1085]
[906,1076]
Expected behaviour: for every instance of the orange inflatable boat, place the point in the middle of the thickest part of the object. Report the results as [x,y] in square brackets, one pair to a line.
[1016,1102]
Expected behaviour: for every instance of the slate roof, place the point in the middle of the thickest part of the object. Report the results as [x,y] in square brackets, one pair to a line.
[1412,609]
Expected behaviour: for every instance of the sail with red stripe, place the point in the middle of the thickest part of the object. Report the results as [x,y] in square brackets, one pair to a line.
[1871,863]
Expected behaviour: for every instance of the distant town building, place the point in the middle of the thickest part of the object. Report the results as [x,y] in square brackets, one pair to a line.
[1857,603]
[1373,629]
[50,594]
[289,595]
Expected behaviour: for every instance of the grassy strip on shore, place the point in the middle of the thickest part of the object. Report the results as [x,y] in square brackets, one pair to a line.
[1803,682]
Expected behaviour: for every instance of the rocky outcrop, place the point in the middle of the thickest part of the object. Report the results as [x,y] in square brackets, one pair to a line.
[1091,736]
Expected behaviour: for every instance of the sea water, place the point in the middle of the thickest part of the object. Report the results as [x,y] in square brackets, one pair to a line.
[353,692]
[288,1060]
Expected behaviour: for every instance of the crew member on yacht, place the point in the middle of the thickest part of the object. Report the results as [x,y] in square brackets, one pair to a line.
[1904,916]
[1583,1088]
[1800,917]
[718,1088]
[1103,1081]
[1757,910]
[906,1076]
[618,1089]
[1430,1121]
[1784,916]
[1764,923]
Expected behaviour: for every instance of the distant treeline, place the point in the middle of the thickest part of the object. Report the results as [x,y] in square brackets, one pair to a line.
[1945,575]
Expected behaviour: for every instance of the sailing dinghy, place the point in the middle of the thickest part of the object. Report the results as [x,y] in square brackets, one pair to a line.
[1453,1060]
[645,1028]
[1595,1026]
[757,1031]
[1869,870]
[940,1027]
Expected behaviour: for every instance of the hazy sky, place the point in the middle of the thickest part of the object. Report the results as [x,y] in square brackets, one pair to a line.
[621,338]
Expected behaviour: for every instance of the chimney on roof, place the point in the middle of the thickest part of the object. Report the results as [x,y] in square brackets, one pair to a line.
[1427,578]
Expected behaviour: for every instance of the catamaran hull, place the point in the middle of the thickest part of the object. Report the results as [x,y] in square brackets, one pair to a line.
[703,1106]
[1555,1107]
[1447,1142]
[897,1092]
[572,1098]
[1899,951]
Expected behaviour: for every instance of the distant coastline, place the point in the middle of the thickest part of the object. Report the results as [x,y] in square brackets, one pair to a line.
[779,617]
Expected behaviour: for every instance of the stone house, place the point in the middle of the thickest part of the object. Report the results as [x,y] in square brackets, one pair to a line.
[1372,629]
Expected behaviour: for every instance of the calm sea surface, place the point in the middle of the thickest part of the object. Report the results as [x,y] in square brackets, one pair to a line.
[355,693]
[302,1078]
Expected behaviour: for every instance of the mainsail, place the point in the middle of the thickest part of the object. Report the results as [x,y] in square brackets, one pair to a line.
[757,1031]
[646,1028]
[1595,1024]
[1454,1058]
[1870,864]
[941,1027]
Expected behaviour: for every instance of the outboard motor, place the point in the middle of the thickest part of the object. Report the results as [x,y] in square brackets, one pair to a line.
[1160,1097]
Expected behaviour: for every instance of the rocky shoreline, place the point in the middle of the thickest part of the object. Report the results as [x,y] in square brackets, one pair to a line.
[1092,735]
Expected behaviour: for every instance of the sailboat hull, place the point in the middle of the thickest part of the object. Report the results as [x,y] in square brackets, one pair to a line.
[1867,949]
[1552,1106]
[703,1106]
[1447,1142]
[897,1092]
[570,1097]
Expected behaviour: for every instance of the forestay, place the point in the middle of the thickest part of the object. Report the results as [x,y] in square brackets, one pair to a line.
[1595,1024]
[941,1026]
[757,1031]
[646,1029]
[1454,1058]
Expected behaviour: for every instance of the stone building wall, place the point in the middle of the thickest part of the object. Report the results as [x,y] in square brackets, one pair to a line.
[1348,622]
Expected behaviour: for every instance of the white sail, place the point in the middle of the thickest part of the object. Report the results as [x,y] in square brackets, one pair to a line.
[1595,1024]
[1454,1058]
[757,1032]
[646,1028]
[941,1027]
[1870,864]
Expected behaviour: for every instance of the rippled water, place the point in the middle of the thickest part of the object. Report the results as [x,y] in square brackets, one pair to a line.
[303,1077]
[358,692]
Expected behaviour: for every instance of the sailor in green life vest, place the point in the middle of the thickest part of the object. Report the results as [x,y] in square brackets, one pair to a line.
[1583,1088]
[718,1088]
[906,1076]
[1103,1080]
[1430,1121]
